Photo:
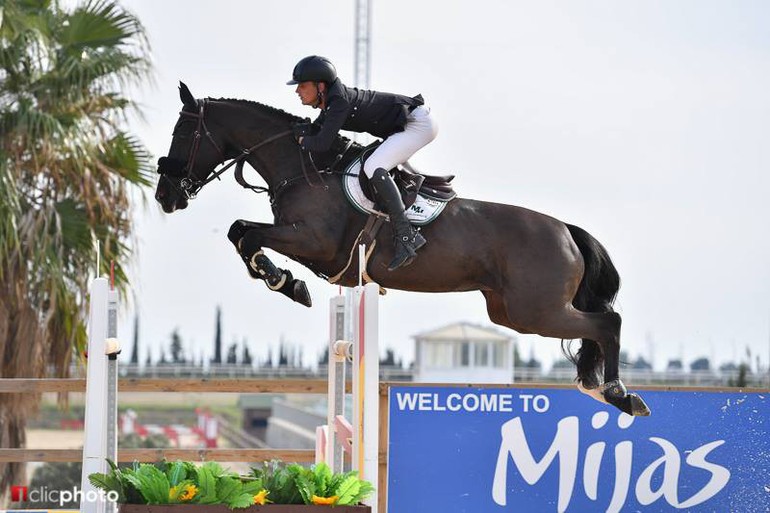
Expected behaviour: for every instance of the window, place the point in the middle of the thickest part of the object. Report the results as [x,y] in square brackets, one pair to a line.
[499,356]
[439,354]
[481,354]
[465,354]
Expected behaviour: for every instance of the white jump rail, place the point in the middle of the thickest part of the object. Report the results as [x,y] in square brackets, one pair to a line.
[100,437]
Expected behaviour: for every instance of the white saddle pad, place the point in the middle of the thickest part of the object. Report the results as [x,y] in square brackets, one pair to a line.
[423,210]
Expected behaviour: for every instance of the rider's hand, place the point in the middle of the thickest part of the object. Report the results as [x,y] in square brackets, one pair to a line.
[300,130]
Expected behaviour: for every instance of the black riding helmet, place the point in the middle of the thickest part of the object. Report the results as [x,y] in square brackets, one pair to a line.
[313,68]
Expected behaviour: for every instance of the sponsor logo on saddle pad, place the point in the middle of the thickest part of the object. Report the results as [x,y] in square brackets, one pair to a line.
[423,210]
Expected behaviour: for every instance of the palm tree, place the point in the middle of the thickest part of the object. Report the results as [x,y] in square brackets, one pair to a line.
[67,171]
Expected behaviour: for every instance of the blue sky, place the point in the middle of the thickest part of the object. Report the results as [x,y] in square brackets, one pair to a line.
[645,123]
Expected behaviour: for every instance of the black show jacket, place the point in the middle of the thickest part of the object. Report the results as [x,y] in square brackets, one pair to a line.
[359,110]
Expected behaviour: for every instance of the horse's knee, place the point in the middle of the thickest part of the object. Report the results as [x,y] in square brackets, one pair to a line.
[236,232]
[250,243]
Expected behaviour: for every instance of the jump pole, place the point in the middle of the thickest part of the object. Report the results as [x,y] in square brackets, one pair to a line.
[335,441]
[366,380]
[361,436]
[100,440]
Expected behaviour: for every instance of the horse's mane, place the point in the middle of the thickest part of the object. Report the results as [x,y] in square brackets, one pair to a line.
[339,143]
[288,115]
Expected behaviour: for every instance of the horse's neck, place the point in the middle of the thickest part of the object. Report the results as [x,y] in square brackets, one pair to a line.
[275,161]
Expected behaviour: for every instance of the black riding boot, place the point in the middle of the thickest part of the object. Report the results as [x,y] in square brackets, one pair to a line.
[407,240]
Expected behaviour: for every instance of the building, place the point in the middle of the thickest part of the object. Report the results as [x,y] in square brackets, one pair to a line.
[256,411]
[463,353]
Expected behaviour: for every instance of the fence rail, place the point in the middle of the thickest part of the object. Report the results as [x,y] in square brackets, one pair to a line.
[714,377]
[283,386]
[154,455]
[66,385]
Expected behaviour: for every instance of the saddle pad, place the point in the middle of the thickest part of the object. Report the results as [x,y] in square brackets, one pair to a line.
[422,212]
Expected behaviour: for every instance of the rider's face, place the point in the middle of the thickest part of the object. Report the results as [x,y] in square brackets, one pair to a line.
[308,93]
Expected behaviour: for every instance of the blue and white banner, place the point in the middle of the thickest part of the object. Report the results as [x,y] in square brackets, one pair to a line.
[494,450]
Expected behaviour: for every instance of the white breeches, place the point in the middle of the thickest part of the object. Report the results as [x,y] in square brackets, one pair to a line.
[420,129]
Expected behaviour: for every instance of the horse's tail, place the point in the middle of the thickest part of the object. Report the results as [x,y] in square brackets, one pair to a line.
[596,293]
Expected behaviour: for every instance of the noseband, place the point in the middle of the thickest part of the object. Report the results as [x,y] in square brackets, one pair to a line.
[189,185]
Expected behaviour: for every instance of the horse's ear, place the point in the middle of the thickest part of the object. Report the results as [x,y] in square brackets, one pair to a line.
[186,96]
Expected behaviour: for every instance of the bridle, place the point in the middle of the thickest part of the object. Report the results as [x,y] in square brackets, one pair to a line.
[189,185]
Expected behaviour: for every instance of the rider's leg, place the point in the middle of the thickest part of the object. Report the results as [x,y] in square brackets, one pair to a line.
[420,129]
[407,240]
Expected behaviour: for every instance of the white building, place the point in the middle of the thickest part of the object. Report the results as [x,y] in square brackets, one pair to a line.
[463,353]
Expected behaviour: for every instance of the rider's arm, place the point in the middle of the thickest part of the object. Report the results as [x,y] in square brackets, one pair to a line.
[331,119]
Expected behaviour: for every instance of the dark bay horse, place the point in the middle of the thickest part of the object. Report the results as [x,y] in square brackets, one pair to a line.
[537,274]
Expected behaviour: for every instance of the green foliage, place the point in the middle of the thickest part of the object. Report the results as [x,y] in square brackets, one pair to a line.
[280,480]
[207,485]
[230,492]
[210,483]
[353,490]
[150,482]
[347,487]
[294,484]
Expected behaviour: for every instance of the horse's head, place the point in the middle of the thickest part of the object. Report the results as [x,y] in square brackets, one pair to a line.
[192,157]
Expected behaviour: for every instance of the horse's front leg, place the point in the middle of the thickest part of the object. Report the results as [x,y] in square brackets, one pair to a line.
[259,266]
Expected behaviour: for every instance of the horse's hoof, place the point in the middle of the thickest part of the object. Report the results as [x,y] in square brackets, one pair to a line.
[300,294]
[631,404]
[638,407]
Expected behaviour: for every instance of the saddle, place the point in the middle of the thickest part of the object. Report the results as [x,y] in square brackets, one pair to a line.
[409,182]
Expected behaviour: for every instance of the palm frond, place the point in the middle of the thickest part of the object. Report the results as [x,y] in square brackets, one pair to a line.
[67,171]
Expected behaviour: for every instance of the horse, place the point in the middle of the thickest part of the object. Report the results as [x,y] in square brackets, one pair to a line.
[537,274]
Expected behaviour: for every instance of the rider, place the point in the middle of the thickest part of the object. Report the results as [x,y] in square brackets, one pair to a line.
[404,123]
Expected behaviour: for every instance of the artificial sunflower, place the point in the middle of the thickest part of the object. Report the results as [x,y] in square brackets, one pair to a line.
[189,492]
[261,498]
[324,501]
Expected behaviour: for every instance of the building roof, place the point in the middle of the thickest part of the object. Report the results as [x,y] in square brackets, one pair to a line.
[250,401]
[463,331]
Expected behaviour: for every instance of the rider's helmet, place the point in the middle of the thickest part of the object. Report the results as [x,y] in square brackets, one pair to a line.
[313,68]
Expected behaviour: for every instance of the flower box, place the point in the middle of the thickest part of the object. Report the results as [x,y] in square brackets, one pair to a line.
[219,508]
[273,487]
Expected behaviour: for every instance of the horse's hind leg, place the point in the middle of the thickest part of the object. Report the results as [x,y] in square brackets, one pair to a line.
[569,323]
